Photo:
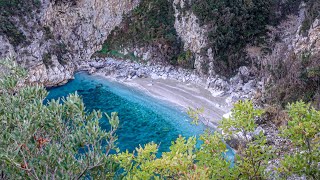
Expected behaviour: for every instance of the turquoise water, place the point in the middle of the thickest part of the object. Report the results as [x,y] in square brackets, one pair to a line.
[142,118]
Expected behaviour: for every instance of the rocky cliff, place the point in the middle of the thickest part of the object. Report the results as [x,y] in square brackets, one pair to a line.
[55,35]
[192,34]
[293,66]
[59,33]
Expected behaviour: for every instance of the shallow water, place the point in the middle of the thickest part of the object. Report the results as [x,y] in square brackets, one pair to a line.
[142,118]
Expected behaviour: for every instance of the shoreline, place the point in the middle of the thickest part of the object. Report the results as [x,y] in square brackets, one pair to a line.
[209,120]
[182,87]
[182,94]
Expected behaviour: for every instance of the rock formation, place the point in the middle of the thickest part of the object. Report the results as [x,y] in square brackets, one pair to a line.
[62,32]
[59,34]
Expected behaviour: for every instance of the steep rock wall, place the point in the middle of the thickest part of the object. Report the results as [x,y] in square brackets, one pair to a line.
[193,36]
[60,33]
[85,25]
[292,69]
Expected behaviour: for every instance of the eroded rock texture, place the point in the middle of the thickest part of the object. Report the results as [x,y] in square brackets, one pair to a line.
[61,32]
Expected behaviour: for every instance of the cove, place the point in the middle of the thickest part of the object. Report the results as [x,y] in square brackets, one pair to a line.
[142,118]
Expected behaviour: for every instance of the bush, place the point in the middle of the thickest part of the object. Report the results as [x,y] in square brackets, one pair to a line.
[185,161]
[186,59]
[242,119]
[56,140]
[232,25]
[303,130]
[254,153]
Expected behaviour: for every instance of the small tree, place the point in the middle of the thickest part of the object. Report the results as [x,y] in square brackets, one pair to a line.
[303,130]
[242,120]
[183,161]
[53,140]
[251,158]
[212,157]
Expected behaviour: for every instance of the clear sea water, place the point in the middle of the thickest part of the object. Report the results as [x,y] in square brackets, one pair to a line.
[142,118]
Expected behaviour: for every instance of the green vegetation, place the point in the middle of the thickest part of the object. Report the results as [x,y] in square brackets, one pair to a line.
[232,25]
[10,8]
[47,59]
[58,139]
[106,51]
[239,121]
[52,140]
[253,154]
[151,24]
[60,49]
[304,132]
[185,161]
[14,35]
[186,59]
[47,33]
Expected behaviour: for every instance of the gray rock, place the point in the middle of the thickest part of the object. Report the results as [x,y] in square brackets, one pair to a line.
[249,86]
[258,130]
[168,69]
[235,80]
[132,73]
[244,71]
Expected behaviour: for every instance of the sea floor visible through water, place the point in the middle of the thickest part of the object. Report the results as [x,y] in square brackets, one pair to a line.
[143,118]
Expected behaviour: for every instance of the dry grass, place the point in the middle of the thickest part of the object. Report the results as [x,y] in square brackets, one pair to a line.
[278,116]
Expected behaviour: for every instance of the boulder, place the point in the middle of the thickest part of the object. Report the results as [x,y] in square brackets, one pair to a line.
[249,86]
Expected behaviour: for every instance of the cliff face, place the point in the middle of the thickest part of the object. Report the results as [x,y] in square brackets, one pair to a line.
[60,33]
[83,26]
[292,69]
[193,36]
[56,35]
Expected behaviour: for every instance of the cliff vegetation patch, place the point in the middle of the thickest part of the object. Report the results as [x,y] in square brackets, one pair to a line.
[151,24]
[15,8]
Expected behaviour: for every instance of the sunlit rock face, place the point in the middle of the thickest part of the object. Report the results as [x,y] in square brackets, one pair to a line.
[192,34]
[62,32]
[59,33]
[84,25]
[309,42]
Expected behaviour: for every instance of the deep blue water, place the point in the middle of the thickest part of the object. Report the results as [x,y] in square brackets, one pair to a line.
[142,118]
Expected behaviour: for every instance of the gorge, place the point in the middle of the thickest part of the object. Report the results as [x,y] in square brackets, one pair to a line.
[250,69]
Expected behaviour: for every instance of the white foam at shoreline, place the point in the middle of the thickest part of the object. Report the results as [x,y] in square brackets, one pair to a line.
[182,94]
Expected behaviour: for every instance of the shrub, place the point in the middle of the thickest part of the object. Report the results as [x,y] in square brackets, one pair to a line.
[242,119]
[183,161]
[51,140]
[303,130]
[252,156]
[58,139]
[232,25]
[186,59]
